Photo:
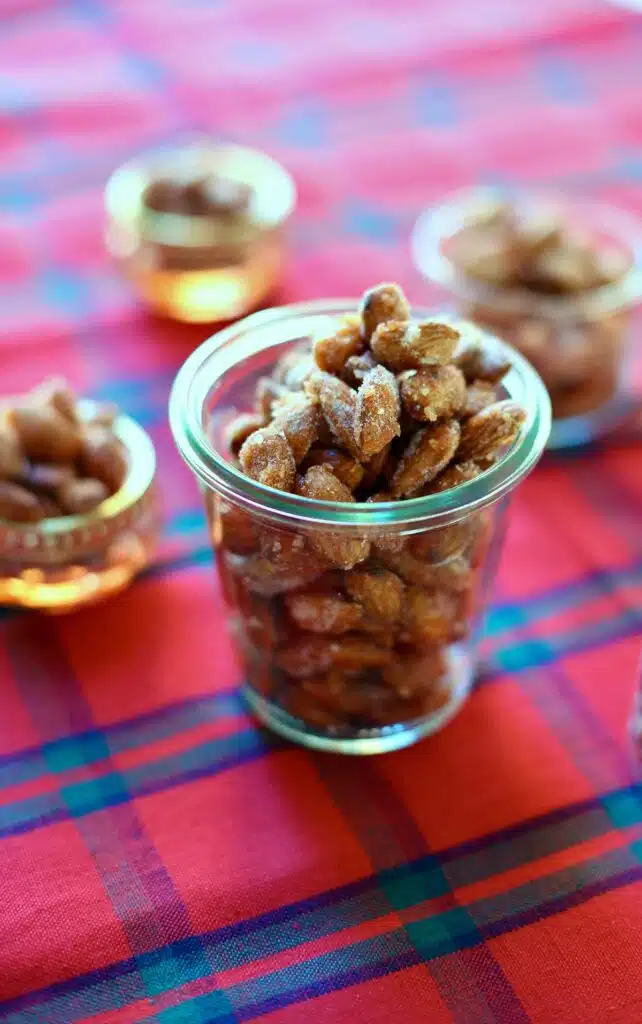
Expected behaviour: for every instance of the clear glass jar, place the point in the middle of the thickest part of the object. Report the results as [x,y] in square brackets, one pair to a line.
[187,266]
[61,564]
[581,345]
[359,687]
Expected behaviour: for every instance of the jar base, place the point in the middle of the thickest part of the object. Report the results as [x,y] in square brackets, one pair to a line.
[367,741]
[575,431]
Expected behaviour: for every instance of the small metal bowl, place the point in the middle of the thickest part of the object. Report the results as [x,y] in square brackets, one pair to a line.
[60,564]
[194,268]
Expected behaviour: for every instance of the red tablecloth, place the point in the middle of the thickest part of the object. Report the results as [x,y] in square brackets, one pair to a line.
[161,858]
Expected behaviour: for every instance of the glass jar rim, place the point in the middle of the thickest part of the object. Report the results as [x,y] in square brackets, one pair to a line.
[438,222]
[247,337]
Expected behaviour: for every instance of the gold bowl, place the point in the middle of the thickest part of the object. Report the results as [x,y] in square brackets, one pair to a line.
[63,563]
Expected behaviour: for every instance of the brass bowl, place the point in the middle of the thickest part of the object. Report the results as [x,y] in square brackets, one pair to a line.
[63,563]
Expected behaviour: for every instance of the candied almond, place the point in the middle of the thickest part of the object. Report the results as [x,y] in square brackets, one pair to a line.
[268,577]
[354,651]
[234,529]
[55,391]
[409,346]
[11,460]
[428,453]
[450,575]
[338,402]
[380,465]
[79,496]
[323,612]
[103,457]
[291,553]
[429,617]
[384,302]
[566,268]
[238,431]
[267,457]
[479,395]
[44,433]
[331,352]
[444,541]
[320,483]
[485,435]
[340,549]
[347,469]
[379,591]
[416,673]
[376,419]
[455,474]
[487,252]
[49,477]
[300,421]
[477,363]
[18,504]
[432,393]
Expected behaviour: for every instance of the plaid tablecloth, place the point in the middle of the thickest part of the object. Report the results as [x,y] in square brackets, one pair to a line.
[162,858]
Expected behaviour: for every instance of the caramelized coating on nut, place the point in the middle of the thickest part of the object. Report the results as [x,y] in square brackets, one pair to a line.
[379,591]
[488,432]
[429,451]
[267,457]
[331,353]
[240,429]
[376,416]
[339,404]
[432,394]
[409,346]
[346,469]
[300,422]
[380,304]
[323,613]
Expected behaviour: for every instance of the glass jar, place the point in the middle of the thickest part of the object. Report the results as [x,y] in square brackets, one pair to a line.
[358,685]
[580,344]
[60,564]
[188,266]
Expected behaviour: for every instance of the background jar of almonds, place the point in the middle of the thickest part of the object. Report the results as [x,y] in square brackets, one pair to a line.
[560,280]
[200,229]
[355,605]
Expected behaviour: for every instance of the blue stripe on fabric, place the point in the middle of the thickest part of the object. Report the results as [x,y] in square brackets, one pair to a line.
[437,935]
[85,748]
[112,789]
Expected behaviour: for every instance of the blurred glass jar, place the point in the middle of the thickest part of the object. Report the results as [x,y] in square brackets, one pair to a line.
[190,259]
[62,563]
[581,341]
[355,690]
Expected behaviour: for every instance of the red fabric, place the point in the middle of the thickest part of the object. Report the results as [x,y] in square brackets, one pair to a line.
[161,858]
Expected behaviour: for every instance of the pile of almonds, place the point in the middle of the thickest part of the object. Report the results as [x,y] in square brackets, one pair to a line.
[346,630]
[53,461]
[529,245]
[531,249]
